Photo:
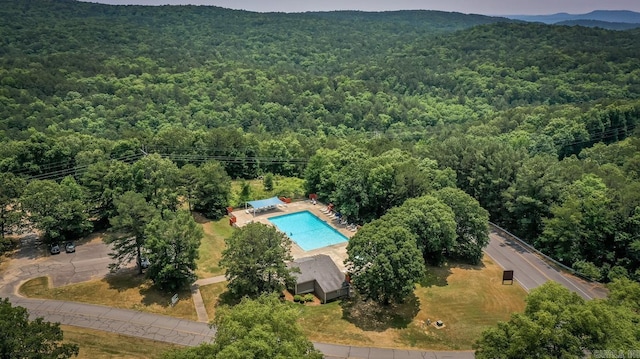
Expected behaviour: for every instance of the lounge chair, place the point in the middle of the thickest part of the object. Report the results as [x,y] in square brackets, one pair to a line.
[344,221]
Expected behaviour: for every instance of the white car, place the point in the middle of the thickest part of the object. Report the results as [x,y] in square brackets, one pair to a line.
[70,247]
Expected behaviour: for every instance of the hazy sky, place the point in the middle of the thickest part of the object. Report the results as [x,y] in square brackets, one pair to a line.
[487,7]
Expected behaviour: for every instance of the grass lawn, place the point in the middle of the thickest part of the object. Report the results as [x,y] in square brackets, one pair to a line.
[216,231]
[123,290]
[466,298]
[210,294]
[290,187]
[96,344]
[212,246]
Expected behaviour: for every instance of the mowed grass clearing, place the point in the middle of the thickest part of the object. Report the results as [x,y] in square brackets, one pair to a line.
[129,290]
[211,246]
[466,298]
[211,295]
[96,344]
[126,290]
[215,232]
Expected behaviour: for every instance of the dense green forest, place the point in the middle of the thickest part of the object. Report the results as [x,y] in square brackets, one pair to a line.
[536,122]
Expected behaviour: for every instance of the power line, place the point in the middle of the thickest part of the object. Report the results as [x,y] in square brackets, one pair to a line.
[79,170]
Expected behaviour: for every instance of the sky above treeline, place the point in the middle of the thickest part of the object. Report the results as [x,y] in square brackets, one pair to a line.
[485,7]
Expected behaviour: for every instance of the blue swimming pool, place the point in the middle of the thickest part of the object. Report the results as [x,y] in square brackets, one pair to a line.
[307,230]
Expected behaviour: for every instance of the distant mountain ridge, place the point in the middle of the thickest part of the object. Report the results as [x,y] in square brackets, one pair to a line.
[601,24]
[612,16]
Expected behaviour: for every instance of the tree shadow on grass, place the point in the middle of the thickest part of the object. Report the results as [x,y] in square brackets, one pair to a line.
[129,279]
[227,298]
[436,276]
[125,279]
[200,218]
[371,316]
[467,266]
[152,295]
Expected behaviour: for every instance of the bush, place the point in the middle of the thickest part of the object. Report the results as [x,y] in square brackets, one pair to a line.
[268,182]
[588,270]
[309,298]
[297,298]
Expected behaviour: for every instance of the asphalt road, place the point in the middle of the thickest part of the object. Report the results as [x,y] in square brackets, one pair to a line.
[122,321]
[88,262]
[91,260]
[531,271]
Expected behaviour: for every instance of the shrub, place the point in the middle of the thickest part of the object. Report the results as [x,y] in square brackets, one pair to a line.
[267,182]
[297,298]
[588,269]
[309,298]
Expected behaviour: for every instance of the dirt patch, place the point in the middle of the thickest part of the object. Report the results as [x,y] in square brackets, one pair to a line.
[199,218]
[96,237]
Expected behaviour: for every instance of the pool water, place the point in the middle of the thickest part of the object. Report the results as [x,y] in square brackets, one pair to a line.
[307,230]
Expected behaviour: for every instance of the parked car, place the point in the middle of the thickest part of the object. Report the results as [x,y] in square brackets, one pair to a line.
[144,262]
[55,248]
[70,247]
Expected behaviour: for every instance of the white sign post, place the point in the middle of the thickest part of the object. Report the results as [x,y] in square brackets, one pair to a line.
[174,299]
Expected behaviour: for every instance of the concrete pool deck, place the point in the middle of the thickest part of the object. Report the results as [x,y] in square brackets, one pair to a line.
[337,252]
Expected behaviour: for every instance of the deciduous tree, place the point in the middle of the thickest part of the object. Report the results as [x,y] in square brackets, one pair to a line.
[471,224]
[212,190]
[255,260]
[173,244]
[582,225]
[10,214]
[263,328]
[105,181]
[431,221]
[24,338]
[157,179]
[557,323]
[58,210]
[384,262]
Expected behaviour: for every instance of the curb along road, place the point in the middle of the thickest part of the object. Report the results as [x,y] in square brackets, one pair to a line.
[530,272]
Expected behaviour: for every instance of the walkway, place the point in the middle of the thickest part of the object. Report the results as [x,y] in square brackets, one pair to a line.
[201,310]
[91,259]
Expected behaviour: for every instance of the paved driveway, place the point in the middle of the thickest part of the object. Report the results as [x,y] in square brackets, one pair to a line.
[91,260]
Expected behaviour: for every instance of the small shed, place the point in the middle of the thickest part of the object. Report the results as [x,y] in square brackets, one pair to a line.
[320,274]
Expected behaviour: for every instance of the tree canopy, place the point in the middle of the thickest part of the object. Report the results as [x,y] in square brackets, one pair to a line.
[559,324]
[264,327]
[24,338]
[384,262]
[59,210]
[128,229]
[372,109]
[172,243]
[255,260]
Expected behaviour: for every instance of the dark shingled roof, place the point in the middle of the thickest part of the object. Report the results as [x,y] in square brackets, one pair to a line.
[320,268]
